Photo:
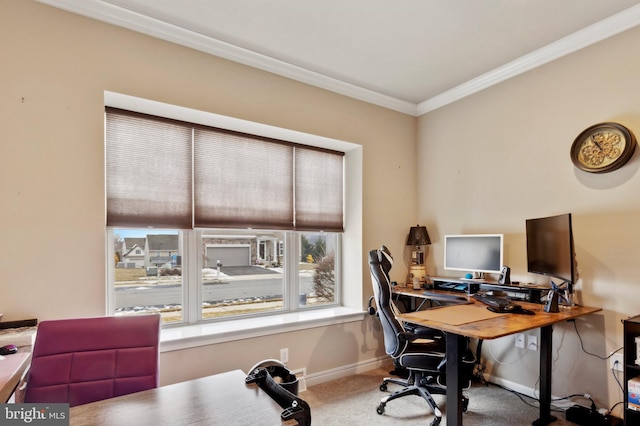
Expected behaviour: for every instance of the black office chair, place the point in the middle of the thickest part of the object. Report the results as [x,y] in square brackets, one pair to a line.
[421,351]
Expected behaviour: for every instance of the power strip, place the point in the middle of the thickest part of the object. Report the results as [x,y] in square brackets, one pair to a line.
[583,416]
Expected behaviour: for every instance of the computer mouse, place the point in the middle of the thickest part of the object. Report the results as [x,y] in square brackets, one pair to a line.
[8,350]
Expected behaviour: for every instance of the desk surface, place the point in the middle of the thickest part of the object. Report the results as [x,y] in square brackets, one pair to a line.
[495,326]
[221,399]
[11,369]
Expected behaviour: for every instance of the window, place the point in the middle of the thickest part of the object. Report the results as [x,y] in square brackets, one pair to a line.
[238,273]
[208,223]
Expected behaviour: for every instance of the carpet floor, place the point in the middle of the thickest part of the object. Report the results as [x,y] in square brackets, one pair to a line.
[352,401]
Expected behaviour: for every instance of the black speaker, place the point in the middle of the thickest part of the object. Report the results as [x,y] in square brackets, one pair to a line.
[505,275]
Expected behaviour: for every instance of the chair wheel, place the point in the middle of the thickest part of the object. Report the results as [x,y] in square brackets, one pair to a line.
[436,421]
[380,409]
[383,387]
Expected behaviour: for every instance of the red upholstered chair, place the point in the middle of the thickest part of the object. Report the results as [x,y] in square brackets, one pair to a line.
[88,359]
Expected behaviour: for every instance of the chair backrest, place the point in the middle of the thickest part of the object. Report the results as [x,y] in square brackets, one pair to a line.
[88,359]
[380,263]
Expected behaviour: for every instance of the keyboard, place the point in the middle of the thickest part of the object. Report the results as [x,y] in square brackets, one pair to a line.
[500,304]
[444,297]
[490,300]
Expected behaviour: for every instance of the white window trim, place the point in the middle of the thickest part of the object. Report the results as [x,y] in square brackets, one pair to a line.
[191,335]
[208,333]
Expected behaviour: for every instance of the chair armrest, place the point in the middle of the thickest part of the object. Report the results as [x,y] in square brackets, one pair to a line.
[411,337]
[422,332]
[427,333]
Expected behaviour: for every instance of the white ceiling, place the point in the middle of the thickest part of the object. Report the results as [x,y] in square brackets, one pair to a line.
[412,56]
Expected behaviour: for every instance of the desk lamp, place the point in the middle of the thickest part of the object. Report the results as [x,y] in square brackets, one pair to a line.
[418,237]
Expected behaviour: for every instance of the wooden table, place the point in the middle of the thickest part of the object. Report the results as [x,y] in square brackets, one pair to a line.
[221,399]
[473,320]
[11,369]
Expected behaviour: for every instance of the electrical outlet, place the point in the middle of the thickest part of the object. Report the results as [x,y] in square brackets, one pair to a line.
[520,340]
[284,355]
[532,342]
[618,366]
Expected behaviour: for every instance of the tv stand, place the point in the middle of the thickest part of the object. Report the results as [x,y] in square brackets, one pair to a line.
[532,293]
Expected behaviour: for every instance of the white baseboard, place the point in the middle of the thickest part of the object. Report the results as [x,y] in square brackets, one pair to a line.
[527,391]
[347,370]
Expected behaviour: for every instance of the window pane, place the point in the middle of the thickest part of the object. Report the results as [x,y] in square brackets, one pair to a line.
[242,272]
[148,273]
[317,269]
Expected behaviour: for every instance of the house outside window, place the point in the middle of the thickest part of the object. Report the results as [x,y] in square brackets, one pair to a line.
[232,280]
[197,270]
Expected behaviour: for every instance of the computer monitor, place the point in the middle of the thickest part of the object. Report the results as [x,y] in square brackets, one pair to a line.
[550,249]
[474,253]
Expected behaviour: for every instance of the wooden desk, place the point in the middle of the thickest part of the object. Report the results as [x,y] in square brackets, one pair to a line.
[221,399]
[498,325]
[11,369]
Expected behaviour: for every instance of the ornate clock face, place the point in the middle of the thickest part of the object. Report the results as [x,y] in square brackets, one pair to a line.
[603,148]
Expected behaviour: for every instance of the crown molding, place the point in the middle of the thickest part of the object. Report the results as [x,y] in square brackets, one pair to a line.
[592,34]
[121,17]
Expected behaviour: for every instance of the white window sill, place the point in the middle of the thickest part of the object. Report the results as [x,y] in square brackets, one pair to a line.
[189,336]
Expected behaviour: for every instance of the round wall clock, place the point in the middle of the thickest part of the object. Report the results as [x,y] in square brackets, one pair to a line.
[603,147]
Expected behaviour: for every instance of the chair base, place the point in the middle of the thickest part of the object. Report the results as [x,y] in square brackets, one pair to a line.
[420,385]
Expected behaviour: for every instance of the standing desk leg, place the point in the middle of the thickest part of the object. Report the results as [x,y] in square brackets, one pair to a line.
[455,343]
[546,346]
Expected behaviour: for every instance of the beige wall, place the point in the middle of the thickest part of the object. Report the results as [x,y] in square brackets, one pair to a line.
[55,69]
[490,161]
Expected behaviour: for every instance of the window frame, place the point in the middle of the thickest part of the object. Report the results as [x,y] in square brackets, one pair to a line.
[348,306]
[192,286]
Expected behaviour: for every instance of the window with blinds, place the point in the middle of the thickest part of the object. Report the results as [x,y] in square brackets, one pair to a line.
[190,207]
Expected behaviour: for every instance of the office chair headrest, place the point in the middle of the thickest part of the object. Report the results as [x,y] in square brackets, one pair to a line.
[385,258]
[385,254]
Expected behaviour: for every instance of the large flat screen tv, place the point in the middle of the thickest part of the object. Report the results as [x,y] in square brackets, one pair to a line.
[473,253]
[550,248]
